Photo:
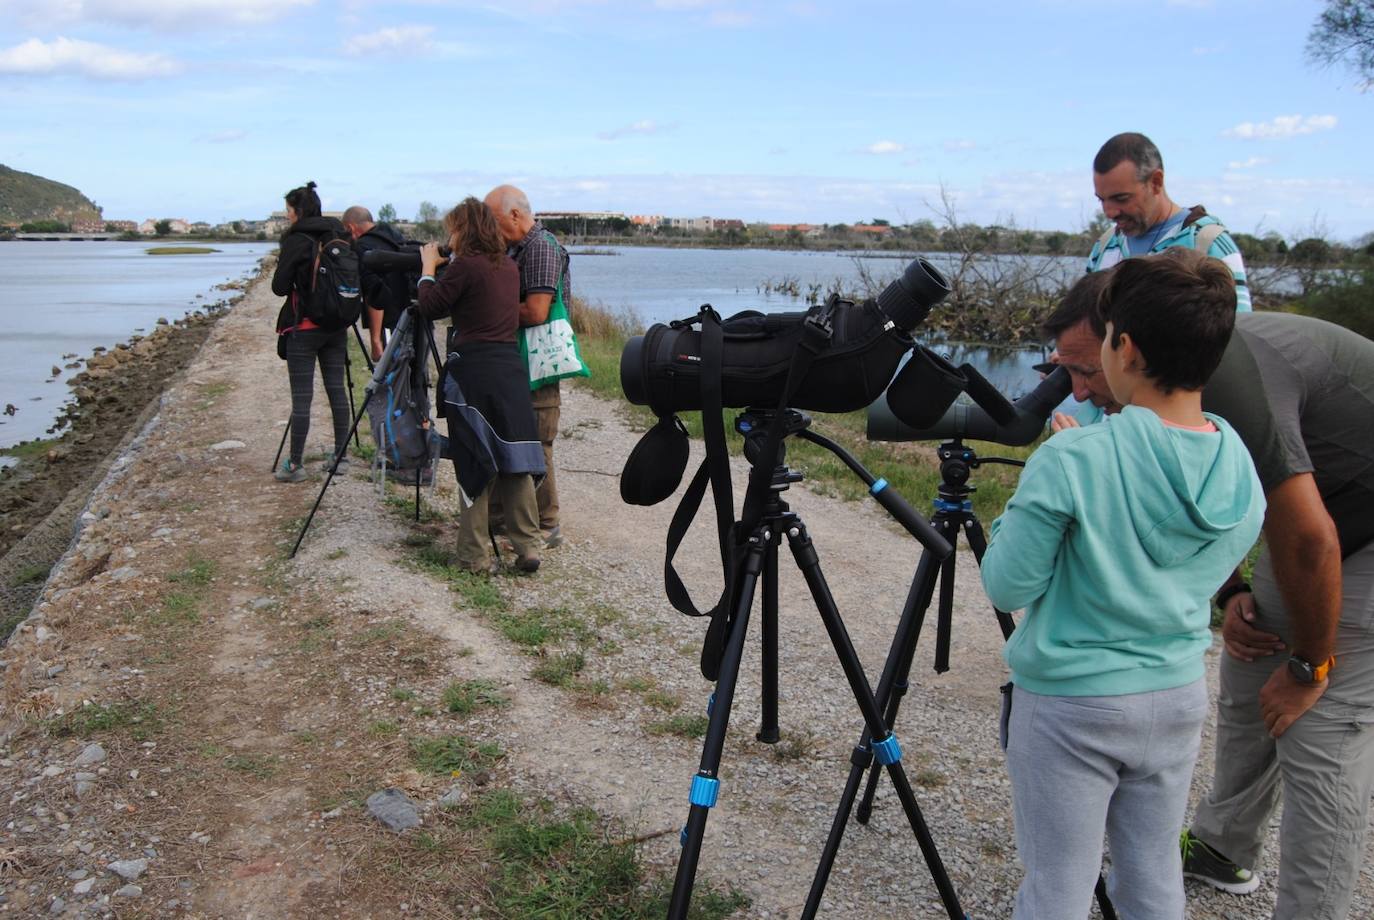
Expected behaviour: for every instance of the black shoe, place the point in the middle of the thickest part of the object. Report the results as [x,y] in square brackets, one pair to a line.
[1207,865]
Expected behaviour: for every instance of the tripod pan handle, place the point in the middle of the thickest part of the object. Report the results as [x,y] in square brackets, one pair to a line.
[906,515]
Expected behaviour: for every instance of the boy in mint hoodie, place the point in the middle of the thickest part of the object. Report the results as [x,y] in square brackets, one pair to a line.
[1117,537]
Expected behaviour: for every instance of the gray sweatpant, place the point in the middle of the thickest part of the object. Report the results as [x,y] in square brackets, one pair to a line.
[1325,760]
[1082,765]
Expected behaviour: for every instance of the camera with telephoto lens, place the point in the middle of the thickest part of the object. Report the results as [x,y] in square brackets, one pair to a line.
[863,343]
[407,260]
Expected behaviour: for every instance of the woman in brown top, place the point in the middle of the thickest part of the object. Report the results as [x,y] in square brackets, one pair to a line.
[486,392]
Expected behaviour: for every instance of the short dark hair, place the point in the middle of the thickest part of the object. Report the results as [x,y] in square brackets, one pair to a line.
[1178,307]
[1132,146]
[1079,304]
[304,200]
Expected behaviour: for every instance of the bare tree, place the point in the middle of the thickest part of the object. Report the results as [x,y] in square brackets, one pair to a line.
[1344,34]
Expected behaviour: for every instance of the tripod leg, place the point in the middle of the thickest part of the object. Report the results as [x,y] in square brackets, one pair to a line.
[928,572]
[705,784]
[908,631]
[362,347]
[885,748]
[974,531]
[348,376]
[282,446]
[329,477]
[768,729]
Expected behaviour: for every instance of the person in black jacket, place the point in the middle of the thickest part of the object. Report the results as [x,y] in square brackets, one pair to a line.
[307,342]
[384,295]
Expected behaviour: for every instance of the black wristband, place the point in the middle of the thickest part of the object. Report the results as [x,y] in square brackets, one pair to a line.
[1230,591]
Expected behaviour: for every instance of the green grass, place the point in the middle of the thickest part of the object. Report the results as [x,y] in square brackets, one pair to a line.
[29,449]
[560,670]
[477,590]
[467,696]
[567,866]
[30,575]
[137,720]
[259,766]
[198,571]
[683,726]
[179,250]
[535,627]
[180,608]
[402,695]
[452,754]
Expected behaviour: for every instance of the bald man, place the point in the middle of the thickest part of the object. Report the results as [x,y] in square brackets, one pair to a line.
[543,277]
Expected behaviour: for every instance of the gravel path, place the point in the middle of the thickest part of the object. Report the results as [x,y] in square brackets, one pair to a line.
[776,802]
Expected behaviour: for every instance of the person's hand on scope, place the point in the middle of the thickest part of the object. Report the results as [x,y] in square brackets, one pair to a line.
[429,259]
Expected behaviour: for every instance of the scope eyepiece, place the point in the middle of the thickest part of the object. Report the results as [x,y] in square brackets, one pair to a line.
[907,301]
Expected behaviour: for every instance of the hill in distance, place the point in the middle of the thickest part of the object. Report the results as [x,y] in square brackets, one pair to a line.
[25,197]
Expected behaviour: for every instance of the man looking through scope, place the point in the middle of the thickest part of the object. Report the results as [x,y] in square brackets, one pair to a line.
[1297,678]
[1115,539]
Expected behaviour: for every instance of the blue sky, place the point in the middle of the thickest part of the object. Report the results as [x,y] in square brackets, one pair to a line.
[778,111]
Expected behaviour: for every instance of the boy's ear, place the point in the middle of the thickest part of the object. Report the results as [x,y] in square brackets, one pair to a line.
[1130,354]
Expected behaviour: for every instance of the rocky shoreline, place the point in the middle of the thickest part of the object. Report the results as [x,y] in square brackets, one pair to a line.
[112,398]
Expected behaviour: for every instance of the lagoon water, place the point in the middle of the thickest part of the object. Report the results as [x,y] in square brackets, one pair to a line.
[62,299]
[59,299]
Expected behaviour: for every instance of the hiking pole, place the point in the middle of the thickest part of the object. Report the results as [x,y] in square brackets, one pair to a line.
[281,446]
[379,372]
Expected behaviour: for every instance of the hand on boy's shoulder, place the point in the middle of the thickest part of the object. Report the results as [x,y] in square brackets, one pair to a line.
[1062,421]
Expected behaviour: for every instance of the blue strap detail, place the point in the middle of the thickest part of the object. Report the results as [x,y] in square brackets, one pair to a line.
[682,839]
[710,704]
[704,791]
[877,487]
[888,751]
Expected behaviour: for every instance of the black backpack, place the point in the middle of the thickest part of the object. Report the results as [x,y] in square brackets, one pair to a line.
[334,300]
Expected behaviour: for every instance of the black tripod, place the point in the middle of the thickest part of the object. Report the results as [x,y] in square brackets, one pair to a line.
[953,513]
[419,333]
[760,557]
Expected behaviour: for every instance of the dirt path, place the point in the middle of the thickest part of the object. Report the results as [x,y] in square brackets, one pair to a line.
[245,705]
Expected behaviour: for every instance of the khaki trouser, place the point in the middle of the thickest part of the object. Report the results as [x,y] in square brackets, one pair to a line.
[547,403]
[1325,760]
[516,493]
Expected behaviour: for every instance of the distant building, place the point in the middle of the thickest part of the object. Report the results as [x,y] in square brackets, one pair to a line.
[877,231]
[803,229]
[122,226]
[178,225]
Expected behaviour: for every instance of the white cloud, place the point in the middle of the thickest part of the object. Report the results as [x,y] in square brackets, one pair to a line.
[644,127]
[883,148]
[1282,126]
[72,56]
[395,38]
[154,14]
[1247,164]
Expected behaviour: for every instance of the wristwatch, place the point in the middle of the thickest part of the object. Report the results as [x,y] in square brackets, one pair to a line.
[1304,672]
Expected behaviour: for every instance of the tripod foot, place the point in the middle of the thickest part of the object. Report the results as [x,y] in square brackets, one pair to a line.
[767,735]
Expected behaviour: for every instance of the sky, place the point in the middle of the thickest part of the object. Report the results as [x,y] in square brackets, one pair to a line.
[819,112]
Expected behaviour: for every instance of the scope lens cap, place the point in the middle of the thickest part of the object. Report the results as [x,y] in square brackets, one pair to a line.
[654,468]
[924,388]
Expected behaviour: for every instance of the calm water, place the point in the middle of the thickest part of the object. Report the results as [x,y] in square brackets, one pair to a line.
[659,285]
[63,299]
